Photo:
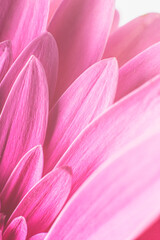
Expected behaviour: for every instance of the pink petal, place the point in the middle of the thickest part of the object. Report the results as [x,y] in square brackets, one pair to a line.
[2,222]
[118,201]
[17,230]
[138,70]
[133,38]
[23,120]
[81,32]
[45,49]
[115,23]
[39,236]
[77,107]
[22,20]
[44,201]
[54,5]
[25,175]
[5,57]
[132,118]
[152,233]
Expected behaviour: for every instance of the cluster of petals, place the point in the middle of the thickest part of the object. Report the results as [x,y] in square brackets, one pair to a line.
[79,122]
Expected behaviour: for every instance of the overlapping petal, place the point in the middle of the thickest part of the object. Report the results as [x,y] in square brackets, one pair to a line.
[81,32]
[115,23]
[26,174]
[133,38]
[87,97]
[54,5]
[23,120]
[45,49]
[44,201]
[118,201]
[22,20]
[17,230]
[138,70]
[136,116]
[152,232]
[5,57]
[103,159]
[39,236]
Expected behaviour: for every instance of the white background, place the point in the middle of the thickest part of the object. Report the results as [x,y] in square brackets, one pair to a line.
[130,9]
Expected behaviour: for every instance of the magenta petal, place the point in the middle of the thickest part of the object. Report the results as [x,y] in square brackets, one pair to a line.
[44,201]
[17,230]
[25,175]
[133,38]
[81,32]
[23,120]
[118,201]
[138,70]
[132,118]
[78,106]
[21,21]
[152,232]
[39,236]
[45,49]
[5,57]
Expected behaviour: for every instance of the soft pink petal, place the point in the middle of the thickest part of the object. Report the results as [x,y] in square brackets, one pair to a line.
[115,23]
[23,120]
[138,70]
[44,201]
[133,38]
[152,233]
[81,32]
[25,175]
[118,201]
[54,5]
[22,20]
[132,118]
[17,230]
[39,236]
[45,49]
[87,97]
[5,57]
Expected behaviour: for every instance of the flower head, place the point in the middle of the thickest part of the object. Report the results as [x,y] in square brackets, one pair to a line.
[79,122]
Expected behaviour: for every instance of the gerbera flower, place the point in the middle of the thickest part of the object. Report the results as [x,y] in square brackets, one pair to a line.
[79,122]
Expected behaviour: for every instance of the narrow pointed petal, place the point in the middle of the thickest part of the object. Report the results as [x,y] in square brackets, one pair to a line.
[25,175]
[17,230]
[81,32]
[21,21]
[45,49]
[5,57]
[39,236]
[23,120]
[133,38]
[132,118]
[44,201]
[78,107]
[115,23]
[116,202]
[138,70]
